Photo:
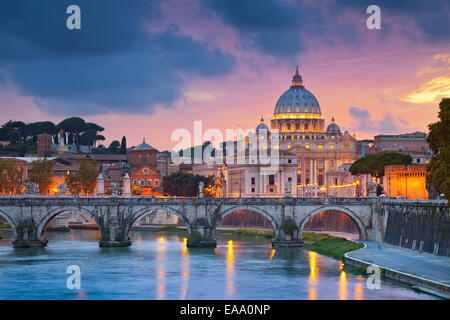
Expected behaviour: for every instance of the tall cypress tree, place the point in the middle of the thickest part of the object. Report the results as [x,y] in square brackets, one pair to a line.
[123,146]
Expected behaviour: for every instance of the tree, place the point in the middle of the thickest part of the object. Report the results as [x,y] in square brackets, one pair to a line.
[74,126]
[41,173]
[114,147]
[374,163]
[186,184]
[87,176]
[123,146]
[10,177]
[85,180]
[73,184]
[136,190]
[439,141]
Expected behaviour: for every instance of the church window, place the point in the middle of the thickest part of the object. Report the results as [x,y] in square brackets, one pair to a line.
[149,182]
[271,179]
[156,182]
[253,180]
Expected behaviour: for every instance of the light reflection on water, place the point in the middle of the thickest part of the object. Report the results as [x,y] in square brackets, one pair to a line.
[160,266]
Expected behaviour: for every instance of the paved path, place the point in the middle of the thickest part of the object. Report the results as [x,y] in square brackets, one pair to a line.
[425,265]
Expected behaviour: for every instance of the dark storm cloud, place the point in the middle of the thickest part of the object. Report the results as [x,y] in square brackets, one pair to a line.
[280,28]
[431,17]
[110,64]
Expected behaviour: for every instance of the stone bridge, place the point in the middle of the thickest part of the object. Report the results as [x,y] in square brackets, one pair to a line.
[29,215]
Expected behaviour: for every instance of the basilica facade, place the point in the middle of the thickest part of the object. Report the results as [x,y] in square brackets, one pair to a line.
[298,119]
[313,158]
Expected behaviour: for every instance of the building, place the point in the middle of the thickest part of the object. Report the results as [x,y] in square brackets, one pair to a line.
[253,179]
[44,144]
[413,142]
[406,181]
[144,169]
[342,184]
[298,118]
[148,179]
[143,155]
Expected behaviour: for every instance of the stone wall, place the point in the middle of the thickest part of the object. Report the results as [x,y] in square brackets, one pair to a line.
[419,228]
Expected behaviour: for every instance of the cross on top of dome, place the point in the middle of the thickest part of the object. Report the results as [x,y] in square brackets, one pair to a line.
[297,80]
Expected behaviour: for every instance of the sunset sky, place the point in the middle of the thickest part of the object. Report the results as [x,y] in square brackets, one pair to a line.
[146,68]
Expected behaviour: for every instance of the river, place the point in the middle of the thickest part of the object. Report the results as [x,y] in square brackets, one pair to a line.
[160,266]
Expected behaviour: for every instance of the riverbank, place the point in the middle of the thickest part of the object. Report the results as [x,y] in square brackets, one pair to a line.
[328,245]
[422,271]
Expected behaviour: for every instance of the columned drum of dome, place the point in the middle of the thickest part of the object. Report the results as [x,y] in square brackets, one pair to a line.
[298,112]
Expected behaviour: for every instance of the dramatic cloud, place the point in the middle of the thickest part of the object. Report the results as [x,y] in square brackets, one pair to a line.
[431,18]
[436,88]
[284,29]
[111,64]
[388,124]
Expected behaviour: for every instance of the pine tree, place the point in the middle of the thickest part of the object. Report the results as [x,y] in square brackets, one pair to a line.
[123,146]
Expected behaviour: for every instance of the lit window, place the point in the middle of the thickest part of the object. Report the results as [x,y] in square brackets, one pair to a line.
[307,146]
[320,146]
[289,146]
[331,147]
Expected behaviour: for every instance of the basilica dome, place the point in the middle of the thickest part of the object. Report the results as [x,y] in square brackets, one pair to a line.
[297,101]
[333,128]
[262,126]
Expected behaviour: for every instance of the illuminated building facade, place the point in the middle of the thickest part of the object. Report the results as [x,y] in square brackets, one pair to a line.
[298,118]
[144,168]
[407,181]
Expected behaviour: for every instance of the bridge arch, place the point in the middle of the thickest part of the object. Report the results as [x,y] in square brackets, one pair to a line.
[360,225]
[141,212]
[264,213]
[10,221]
[53,213]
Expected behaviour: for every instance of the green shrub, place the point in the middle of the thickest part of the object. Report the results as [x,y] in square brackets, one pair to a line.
[289,227]
[194,237]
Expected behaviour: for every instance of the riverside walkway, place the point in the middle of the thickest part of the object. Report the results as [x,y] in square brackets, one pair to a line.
[407,265]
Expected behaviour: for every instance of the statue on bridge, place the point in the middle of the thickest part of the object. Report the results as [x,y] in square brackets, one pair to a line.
[114,189]
[201,186]
[287,189]
[31,188]
[372,190]
[62,188]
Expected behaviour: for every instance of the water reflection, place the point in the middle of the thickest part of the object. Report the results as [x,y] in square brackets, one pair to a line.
[184,269]
[230,270]
[342,283]
[359,288]
[312,280]
[160,268]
